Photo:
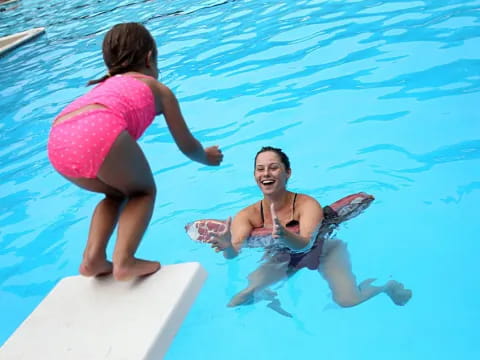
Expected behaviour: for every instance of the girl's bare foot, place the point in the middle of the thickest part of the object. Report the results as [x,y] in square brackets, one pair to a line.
[135,268]
[95,267]
[397,292]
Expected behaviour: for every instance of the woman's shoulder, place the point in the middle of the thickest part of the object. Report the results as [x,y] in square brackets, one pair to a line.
[304,198]
[307,202]
[250,210]
[252,214]
[308,206]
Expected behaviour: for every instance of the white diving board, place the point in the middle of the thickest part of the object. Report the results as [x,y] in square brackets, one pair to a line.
[10,42]
[7,2]
[100,318]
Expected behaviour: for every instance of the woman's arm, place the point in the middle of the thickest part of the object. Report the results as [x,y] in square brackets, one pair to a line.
[310,217]
[231,240]
[241,230]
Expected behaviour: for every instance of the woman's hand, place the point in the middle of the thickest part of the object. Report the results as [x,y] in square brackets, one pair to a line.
[278,230]
[213,155]
[222,241]
[289,239]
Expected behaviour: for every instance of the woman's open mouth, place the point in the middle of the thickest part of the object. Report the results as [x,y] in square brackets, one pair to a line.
[267,182]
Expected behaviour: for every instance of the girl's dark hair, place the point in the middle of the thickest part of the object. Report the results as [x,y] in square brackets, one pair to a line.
[125,48]
[279,152]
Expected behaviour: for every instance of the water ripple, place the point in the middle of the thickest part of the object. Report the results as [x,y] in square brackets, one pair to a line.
[464,151]
[376,95]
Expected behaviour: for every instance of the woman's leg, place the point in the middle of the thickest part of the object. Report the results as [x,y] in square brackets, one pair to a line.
[126,169]
[265,275]
[336,268]
[102,225]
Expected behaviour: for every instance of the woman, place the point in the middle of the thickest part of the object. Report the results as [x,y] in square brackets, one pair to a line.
[294,219]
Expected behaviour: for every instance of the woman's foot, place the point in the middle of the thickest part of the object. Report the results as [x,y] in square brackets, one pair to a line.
[397,292]
[366,284]
[135,268]
[95,267]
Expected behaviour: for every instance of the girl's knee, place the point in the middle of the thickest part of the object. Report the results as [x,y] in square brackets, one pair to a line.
[149,190]
[153,190]
[116,198]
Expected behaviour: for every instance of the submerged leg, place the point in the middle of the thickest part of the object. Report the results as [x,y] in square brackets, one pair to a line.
[265,275]
[336,268]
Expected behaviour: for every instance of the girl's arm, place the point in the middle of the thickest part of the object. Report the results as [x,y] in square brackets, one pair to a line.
[184,139]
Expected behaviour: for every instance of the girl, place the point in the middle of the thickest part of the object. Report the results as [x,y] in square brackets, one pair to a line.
[93,144]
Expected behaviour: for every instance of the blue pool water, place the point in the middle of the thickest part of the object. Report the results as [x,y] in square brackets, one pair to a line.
[363,95]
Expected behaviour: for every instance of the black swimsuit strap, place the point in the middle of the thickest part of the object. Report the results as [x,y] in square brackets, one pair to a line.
[293,207]
[261,212]
[293,210]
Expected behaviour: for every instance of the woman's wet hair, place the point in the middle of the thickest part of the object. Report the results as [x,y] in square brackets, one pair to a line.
[125,48]
[283,157]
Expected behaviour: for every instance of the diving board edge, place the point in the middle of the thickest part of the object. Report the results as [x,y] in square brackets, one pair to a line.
[10,42]
[100,318]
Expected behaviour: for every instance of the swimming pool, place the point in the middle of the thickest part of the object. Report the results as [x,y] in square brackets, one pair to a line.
[363,96]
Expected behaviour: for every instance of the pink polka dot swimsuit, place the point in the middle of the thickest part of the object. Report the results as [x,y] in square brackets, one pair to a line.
[78,146]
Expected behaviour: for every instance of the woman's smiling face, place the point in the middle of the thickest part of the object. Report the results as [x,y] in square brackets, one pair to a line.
[270,173]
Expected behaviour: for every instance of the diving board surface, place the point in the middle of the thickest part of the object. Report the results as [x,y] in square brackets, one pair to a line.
[100,318]
[8,2]
[10,42]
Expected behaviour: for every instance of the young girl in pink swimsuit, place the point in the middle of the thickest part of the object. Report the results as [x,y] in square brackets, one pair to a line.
[93,144]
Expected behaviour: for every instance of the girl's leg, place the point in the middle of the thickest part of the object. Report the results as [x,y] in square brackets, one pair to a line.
[126,169]
[336,268]
[102,225]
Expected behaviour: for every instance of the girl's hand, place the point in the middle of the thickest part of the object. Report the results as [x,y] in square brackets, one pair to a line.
[213,155]
[278,230]
[221,241]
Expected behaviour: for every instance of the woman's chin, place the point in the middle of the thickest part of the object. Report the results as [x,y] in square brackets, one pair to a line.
[271,191]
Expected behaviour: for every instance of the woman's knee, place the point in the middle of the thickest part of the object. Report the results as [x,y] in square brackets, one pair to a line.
[346,300]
